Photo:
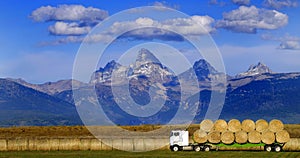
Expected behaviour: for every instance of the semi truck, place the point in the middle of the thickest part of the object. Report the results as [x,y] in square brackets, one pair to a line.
[179,141]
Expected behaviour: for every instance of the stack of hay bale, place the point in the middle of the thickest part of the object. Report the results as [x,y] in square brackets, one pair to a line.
[246,131]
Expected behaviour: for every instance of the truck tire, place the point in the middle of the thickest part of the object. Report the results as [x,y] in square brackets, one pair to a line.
[268,148]
[277,148]
[197,148]
[206,148]
[175,148]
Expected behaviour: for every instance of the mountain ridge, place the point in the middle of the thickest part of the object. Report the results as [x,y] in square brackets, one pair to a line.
[258,88]
[21,105]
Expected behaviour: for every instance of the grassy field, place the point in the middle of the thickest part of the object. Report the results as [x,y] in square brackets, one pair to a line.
[152,154]
[82,131]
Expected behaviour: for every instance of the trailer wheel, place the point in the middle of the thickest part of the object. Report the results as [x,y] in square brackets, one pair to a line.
[277,148]
[175,148]
[197,148]
[268,148]
[206,148]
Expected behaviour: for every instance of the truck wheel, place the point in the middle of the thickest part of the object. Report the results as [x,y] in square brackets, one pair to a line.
[197,148]
[206,148]
[277,148]
[175,148]
[268,148]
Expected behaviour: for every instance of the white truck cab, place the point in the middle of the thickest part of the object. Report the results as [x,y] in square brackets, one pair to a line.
[179,140]
[179,137]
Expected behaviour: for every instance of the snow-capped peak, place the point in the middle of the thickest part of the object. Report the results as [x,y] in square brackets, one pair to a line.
[254,70]
[145,56]
[146,64]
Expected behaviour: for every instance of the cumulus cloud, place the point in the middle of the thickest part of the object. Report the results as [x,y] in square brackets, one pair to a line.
[68,13]
[69,19]
[73,21]
[250,19]
[278,4]
[192,26]
[63,28]
[241,2]
[151,29]
[286,42]
[292,45]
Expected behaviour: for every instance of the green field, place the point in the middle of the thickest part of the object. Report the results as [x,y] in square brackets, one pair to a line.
[152,154]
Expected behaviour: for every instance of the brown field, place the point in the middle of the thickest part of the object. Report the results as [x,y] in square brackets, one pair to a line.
[82,131]
[150,154]
[293,129]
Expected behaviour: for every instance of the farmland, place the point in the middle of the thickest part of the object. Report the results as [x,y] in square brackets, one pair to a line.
[166,154]
[82,131]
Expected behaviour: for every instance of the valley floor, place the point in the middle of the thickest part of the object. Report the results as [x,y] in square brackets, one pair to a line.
[151,154]
[82,131]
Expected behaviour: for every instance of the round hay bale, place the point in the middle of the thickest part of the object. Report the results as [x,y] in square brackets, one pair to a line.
[220,126]
[268,137]
[214,137]
[275,125]
[248,125]
[234,125]
[261,125]
[282,136]
[200,136]
[292,145]
[241,137]
[206,125]
[254,137]
[227,137]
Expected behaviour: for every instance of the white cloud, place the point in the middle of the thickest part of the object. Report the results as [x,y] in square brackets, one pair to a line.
[63,28]
[68,13]
[195,25]
[278,4]
[164,4]
[292,45]
[241,2]
[74,20]
[152,29]
[286,42]
[250,19]
[69,20]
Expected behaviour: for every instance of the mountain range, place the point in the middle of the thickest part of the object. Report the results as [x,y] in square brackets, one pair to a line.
[256,93]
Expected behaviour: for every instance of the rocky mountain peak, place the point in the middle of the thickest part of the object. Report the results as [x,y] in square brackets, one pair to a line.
[145,56]
[203,69]
[109,66]
[148,65]
[204,65]
[257,69]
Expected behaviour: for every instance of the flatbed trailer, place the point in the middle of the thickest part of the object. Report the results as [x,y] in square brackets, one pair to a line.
[179,141]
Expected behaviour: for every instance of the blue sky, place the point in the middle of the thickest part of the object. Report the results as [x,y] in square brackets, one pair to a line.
[40,39]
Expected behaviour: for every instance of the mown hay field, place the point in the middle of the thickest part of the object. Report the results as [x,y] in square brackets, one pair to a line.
[151,154]
[82,131]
